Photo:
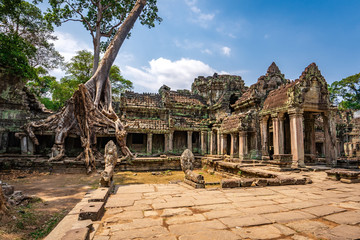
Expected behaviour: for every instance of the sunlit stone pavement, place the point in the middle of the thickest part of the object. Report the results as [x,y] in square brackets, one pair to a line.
[324,209]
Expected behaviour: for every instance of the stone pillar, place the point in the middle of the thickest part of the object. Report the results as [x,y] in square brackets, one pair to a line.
[309,143]
[30,146]
[212,143]
[171,141]
[297,138]
[276,139]
[203,142]
[242,145]
[281,134]
[219,142]
[232,142]
[264,137]
[236,145]
[189,140]
[149,143]
[330,138]
[166,142]
[223,144]
[23,145]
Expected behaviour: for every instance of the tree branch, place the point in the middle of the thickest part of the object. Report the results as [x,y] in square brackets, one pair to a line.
[82,17]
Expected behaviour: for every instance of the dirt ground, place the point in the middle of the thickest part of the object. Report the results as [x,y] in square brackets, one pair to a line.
[56,194]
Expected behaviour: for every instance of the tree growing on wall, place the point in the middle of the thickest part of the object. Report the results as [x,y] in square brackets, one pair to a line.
[100,17]
[89,111]
[346,92]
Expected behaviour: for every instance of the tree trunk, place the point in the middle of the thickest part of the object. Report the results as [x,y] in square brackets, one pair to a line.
[3,204]
[96,40]
[89,111]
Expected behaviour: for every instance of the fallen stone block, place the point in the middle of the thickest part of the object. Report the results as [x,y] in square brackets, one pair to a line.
[230,183]
[286,180]
[273,182]
[345,180]
[77,234]
[92,210]
[300,181]
[194,177]
[193,184]
[261,182]
[246,182]
[98,195]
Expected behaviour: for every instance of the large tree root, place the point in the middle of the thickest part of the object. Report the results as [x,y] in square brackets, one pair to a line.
[81,117]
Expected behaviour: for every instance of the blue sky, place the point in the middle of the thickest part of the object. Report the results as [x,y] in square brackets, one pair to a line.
[240,37]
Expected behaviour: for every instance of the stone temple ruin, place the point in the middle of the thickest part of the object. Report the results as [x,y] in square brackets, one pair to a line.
[286,124]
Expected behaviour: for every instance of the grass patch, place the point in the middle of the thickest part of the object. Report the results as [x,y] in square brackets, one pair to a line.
[49,225]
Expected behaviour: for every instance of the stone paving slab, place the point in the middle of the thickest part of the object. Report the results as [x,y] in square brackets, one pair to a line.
[322,210]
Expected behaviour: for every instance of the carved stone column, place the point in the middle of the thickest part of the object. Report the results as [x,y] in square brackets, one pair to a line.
[309,144]
[219,143]
[149,143]
[23,144]
[223,144]
[232,145]
[297,138]
[330,138]
[171,141]
[242,145]
[264,137]
[203,142]
[189,140]
[166,142]
[212,143]
[281,134]
[276,127]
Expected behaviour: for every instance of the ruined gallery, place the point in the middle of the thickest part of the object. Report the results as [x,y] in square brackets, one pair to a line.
[280,122]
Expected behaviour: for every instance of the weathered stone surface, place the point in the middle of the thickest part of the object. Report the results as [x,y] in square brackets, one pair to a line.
[230,183]
[144,232]
[211,234]
[77,234]
[308,226]
[323,210]
[185,219]
[284,217]
[110,157]
[194,184]
[350,218]
[259,232]
[261,182]
[92,210]
[341,232]
[176,211]
[137,224]
[195,177]
[193,228]
[187,160]
[247,221]
[99,195]
[246,182]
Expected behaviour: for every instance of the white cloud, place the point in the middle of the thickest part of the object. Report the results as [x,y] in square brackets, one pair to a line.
[226,51]
[188,44]
[199,16]
[207,51]
[177,74]
[67,45]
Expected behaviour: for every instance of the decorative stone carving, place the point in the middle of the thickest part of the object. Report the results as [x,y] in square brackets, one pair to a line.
[110,157]
[187,160]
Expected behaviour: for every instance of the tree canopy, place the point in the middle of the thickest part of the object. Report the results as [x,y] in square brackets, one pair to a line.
[346,92]
[54,94]
[25,38]
[100,17]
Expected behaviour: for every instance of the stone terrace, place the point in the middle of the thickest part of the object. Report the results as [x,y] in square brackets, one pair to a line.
[323,210]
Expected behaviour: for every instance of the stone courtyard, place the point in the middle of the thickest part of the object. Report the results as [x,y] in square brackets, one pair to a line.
[325,209]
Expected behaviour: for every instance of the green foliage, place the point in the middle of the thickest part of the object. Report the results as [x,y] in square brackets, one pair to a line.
[79,70]
[25,27]
[346,93]
[100,18]
[14,54]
